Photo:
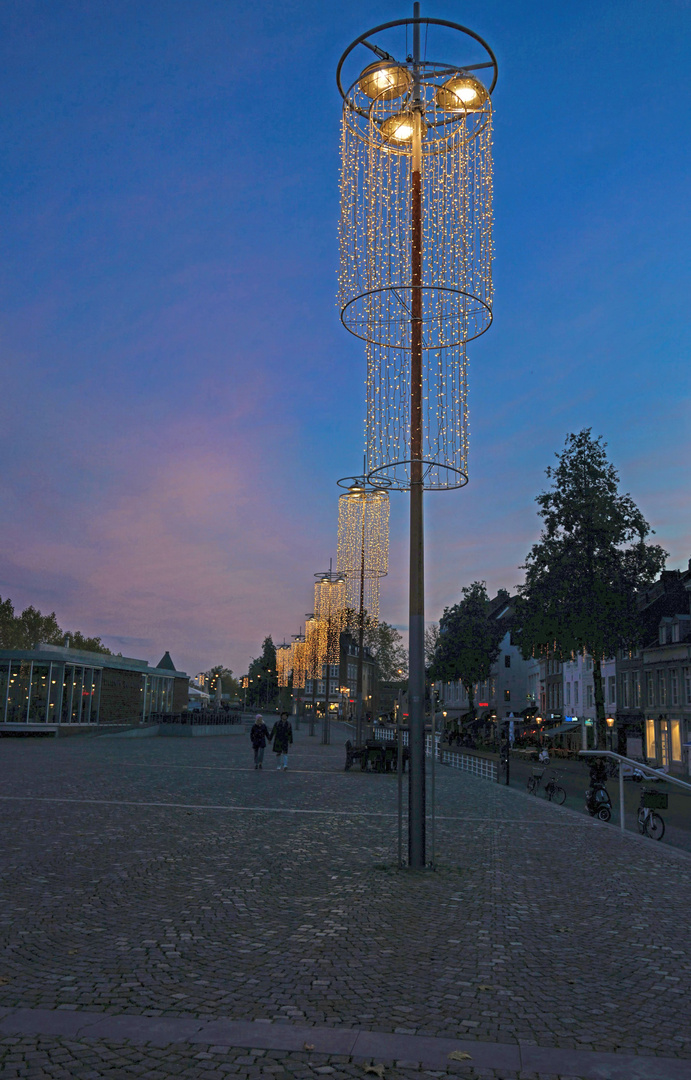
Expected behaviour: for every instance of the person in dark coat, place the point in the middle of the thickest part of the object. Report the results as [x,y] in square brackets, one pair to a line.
[258,737]
[282,736]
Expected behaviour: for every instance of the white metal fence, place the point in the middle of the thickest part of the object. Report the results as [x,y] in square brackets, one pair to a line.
[478,766]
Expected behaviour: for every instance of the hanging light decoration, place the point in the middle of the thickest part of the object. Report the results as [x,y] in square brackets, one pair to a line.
[363,544]
[415,283]
[376,287]
[299,662]
[312,654]
[330,611]
[284,662]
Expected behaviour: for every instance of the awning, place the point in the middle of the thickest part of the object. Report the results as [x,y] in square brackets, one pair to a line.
[563,728]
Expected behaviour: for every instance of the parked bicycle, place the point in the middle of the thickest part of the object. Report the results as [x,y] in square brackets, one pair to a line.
[649,823]
[552,788]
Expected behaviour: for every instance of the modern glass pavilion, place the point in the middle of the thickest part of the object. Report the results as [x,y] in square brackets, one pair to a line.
[49,687]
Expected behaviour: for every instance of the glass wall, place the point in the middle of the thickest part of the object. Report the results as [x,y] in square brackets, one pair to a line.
[159,695]
[36,692]
[38,696]
[4,678]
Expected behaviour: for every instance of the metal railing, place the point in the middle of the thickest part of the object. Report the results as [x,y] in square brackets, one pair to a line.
[636,765]
[477,766]
[196,717]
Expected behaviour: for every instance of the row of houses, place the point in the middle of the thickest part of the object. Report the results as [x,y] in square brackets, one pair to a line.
[647,690]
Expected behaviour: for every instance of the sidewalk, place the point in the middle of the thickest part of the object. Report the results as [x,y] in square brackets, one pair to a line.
[168,909]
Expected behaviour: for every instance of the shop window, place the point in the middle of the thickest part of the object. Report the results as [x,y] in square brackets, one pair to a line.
[676,740]
[650,748]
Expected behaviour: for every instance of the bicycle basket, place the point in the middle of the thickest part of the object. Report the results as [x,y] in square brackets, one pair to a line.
[655,800]
[539,773]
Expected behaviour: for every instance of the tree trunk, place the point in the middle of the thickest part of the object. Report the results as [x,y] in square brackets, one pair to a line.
[600,725]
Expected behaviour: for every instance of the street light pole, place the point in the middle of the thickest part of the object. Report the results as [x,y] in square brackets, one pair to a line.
[416,630]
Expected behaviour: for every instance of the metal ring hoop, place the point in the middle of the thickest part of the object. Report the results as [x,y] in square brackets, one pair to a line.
[382,484]
[438,288]
[413,22]
[463,477]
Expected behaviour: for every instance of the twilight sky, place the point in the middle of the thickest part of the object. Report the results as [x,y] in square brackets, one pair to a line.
[178,396]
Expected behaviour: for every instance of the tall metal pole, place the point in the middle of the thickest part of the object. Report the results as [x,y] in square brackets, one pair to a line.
[361,635]
[416,660]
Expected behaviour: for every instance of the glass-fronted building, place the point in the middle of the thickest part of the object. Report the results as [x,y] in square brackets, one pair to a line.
[49,687]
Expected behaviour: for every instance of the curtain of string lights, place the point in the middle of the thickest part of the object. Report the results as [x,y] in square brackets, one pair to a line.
[284,663]
[363,558]
[375,281]
[415,281]
[363,545]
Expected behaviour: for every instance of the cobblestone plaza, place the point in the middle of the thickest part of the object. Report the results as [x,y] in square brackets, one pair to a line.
[168,911]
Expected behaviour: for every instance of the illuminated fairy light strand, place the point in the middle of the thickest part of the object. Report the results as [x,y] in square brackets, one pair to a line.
[375,272]
[363,546]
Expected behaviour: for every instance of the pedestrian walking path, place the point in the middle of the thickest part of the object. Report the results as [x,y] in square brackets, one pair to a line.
[169,910]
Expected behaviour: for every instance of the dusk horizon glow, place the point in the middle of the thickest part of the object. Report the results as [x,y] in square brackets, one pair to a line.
[179,395]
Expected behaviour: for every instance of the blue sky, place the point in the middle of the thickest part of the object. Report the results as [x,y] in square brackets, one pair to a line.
[178,395]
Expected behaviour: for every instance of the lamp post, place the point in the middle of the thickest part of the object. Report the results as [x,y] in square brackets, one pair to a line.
[415,278]
[363,556]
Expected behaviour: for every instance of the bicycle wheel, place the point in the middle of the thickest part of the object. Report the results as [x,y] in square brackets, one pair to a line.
[557,794]
[655,827]
[531,785]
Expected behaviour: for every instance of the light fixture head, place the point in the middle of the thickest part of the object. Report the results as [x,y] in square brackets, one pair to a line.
[462,94]
[399,128]
[384,81]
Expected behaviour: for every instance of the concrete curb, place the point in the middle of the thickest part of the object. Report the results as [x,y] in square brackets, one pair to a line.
[425,1051]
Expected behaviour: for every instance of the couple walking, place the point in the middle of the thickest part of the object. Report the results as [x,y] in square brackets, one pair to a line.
[281,734]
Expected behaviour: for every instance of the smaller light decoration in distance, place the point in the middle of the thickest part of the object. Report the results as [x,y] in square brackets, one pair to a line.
[330,604]
[312,657]
[363,545]
[299,663]
[284,663]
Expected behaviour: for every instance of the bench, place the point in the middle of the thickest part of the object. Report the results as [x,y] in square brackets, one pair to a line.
[381,756]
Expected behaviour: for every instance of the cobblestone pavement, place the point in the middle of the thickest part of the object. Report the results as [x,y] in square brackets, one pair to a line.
[167,877]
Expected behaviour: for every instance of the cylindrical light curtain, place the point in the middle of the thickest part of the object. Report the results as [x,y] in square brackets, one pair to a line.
[284,663]
[330,605]
[299,663]
[376,292]
[363,545]
[312,654]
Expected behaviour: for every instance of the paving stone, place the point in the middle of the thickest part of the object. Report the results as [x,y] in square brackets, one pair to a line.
[177,882]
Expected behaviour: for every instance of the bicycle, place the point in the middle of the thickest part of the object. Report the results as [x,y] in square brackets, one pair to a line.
[649,823]
[553,790]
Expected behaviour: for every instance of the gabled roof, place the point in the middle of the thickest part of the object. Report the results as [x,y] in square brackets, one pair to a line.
[166,663]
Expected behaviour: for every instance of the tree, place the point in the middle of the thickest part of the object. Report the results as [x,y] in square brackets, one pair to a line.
[262,688]
[468,642]
[386,646]
[87,644]
[431,642]
[229,685]
[31,628]
[582,577]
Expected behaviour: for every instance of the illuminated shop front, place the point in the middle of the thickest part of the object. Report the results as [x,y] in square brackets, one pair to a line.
[50,686]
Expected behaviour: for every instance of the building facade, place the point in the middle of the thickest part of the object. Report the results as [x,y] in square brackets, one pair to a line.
[51,687]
